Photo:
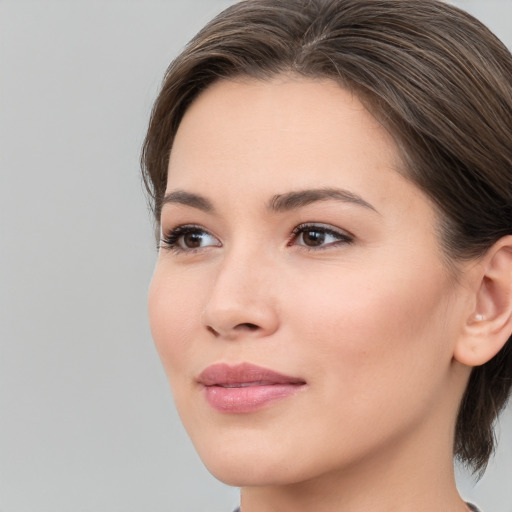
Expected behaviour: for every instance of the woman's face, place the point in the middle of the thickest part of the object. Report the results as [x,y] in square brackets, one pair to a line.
[300,304]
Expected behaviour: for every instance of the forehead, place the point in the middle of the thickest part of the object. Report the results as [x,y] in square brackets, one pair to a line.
[247,126]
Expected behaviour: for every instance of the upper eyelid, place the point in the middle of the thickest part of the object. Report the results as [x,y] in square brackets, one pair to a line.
[323,227]
[180,226]
[302,225]
[166,233]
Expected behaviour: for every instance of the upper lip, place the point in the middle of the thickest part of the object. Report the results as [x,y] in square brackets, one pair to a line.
[222,374]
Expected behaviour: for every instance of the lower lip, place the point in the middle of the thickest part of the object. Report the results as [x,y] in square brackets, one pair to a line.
[247,399]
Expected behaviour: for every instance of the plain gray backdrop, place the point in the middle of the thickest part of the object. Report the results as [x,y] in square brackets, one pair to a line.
[87,422]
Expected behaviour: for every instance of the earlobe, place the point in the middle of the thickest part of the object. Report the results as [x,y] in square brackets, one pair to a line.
[489,325]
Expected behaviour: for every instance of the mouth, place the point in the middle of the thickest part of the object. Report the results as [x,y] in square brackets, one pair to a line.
[247,384]
[245,388]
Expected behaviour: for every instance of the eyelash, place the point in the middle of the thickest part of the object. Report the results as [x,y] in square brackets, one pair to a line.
[171,241]
[343,238]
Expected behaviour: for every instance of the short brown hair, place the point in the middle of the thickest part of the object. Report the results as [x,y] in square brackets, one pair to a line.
[436,78]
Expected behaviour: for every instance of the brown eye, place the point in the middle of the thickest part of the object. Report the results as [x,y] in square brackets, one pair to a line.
[192,240]
[189,238]
[313,238]
[319,236]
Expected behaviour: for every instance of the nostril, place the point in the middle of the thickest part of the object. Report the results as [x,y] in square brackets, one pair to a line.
[212,330]
[232,331]
[247,326]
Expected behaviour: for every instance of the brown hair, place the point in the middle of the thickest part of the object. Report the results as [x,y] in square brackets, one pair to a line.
[435,77]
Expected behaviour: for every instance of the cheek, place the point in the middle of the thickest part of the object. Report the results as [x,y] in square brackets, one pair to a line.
[173,312]
[386,327]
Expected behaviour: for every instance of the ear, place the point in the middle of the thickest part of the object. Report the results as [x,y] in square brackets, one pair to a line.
[489,324]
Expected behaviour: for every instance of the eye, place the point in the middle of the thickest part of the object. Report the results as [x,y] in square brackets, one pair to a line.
[319,236]
[189,238]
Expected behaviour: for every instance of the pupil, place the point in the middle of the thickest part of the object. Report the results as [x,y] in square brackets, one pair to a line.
[192,240]
[313,238]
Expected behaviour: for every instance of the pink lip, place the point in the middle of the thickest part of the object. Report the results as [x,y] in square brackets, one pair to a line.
[245,387]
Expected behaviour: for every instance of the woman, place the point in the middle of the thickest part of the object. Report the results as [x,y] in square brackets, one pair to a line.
[332,302]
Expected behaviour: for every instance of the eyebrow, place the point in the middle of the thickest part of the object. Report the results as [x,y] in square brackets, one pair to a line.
[278,203]
[188,199]
[293,200]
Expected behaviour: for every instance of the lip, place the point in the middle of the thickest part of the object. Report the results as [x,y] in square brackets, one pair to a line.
[244,388]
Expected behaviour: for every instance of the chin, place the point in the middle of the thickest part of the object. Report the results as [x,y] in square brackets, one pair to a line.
[243,459]
[248,463]
[241,472]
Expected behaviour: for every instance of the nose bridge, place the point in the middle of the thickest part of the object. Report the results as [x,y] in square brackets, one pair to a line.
[240,299]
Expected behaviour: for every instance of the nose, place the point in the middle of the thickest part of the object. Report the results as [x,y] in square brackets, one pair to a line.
[241,303]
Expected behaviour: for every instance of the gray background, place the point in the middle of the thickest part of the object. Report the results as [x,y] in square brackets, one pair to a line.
[86,417]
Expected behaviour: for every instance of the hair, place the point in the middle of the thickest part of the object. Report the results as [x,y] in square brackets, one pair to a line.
[435,77]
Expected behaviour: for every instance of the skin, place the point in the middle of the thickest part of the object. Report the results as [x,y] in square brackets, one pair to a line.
[369,324]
